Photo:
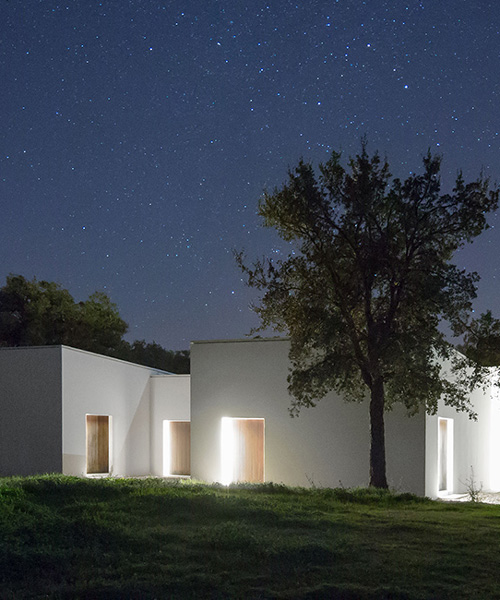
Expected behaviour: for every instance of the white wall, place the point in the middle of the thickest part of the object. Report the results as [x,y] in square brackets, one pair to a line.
[30,419]
[94,384]
[170,400]
[46,393]
[471,445]
[326,446]
[494,434]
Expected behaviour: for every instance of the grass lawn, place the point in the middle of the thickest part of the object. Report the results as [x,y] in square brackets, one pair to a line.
[64,537]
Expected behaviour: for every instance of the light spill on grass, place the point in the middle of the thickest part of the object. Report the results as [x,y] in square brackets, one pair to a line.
[63,537]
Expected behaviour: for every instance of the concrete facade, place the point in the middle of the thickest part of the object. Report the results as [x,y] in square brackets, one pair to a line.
[178,408]
[325,446]
[46,393]
[474,448]
[31,410]
[49,394]
[329,445]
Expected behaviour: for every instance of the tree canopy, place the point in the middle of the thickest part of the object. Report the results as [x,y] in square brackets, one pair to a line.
[34,313]
[367,283]
[40,313]
[154,355]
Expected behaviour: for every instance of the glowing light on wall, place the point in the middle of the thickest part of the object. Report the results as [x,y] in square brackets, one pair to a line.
[227,450]
[242,449]
[445,456]
[495,440]
[166,449]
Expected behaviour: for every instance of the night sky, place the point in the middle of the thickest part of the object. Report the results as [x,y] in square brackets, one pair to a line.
[138,136]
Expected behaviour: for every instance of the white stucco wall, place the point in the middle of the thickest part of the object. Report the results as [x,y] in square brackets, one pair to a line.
[30,401]
[494,434]
[170,400]
[46,393]
[326,446]
[94,384]
[472,443]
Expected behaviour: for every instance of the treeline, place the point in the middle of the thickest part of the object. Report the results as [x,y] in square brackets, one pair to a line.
[153,355]
[42,313]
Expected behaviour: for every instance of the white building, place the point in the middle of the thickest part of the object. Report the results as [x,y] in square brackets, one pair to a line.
[239,416]
[70,411]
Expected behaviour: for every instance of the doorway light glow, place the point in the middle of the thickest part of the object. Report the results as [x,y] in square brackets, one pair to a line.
[495,439]
[227,450]
[448,458]
[166,448]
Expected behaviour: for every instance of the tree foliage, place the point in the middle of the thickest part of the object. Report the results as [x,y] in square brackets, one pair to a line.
[482,340]
[367,283]
[40,313]
[34,313]
[154,355]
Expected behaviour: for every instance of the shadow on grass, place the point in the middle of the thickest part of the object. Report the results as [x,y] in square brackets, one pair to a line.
[66,537]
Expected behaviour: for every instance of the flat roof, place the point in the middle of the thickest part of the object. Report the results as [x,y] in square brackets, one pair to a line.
[242,340]
[73,349]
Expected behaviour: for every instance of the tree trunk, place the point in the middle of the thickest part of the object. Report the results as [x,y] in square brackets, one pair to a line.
[377,448]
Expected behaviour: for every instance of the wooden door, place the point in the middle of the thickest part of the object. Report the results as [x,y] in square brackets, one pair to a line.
[180,448]
[249,450]
[97,444]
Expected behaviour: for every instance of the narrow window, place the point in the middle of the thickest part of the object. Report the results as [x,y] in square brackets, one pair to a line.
[242,450]
[445,455]
[98,438]
[176,448]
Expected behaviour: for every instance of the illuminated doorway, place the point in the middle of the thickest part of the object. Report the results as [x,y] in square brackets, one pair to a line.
[176,448]
[242,450]
[98,443]
[445,456]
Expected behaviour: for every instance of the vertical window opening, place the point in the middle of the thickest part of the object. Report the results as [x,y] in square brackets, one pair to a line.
[445,455]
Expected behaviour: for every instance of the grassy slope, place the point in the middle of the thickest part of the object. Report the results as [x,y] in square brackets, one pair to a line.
[64,537]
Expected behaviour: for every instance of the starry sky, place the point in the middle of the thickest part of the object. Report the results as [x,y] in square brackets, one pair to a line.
[138,135]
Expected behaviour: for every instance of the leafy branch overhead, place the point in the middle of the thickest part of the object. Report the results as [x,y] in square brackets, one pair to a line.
[369,281]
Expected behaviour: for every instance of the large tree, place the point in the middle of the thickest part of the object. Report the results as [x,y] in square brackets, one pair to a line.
[368,283]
